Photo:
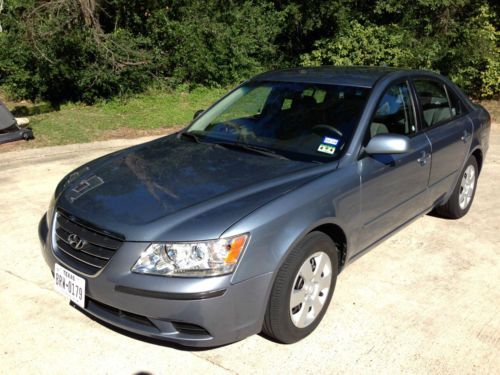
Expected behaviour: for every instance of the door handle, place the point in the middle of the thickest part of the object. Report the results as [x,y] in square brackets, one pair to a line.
[423,159]
[465,136]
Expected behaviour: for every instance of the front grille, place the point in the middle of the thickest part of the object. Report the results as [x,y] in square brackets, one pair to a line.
[97,246]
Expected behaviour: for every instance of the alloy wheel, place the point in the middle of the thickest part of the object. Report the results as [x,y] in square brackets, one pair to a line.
[310,289]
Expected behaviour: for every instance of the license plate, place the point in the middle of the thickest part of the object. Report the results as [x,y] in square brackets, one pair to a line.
[69,285]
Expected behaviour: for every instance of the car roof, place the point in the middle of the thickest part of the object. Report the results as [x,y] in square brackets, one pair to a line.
[362,76]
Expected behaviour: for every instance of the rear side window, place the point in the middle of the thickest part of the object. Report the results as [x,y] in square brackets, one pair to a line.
[457,107]
[436,107]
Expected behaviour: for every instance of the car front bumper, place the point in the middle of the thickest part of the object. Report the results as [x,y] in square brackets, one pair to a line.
[200,312]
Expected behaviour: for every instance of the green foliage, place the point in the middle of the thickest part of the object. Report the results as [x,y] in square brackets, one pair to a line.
[214,42]
[58,51]
[53,55]
[456,38]
[364,45]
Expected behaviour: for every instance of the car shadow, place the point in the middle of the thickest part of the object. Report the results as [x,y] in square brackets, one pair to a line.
[433,213]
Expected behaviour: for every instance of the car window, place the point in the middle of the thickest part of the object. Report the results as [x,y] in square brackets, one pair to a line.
[434,100]
[457,107]
[251,106]
[312,122]
[395,112]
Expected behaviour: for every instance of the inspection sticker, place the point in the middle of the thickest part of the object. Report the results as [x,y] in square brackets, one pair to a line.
[327,149]
[330,141]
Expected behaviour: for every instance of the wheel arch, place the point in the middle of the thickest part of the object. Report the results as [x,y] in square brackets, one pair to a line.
[478,154]
[338,236]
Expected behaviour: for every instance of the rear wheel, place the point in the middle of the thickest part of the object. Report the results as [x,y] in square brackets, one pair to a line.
[302,290]
[461,199]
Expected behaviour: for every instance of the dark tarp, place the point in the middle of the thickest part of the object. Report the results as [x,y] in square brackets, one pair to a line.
[7,120]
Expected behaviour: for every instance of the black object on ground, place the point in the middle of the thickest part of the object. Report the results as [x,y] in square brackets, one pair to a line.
[9,128]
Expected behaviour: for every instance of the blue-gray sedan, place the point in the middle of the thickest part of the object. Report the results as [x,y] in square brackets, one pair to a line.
[240,223]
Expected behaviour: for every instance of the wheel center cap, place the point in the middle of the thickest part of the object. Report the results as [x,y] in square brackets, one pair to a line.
[309,290]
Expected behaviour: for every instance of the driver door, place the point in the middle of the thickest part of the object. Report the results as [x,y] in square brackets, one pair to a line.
[393,187]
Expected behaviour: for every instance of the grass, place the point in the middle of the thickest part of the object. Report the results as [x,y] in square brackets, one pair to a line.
[149,113]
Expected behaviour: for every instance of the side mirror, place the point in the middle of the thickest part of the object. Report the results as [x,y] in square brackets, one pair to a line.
[388,144]
[198,113]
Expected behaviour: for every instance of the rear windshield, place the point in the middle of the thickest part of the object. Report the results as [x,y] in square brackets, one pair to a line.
[303,121]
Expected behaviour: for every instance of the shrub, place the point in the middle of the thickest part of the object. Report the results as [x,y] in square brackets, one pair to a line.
[215,42]
[457,39]
[364,45]
[84,50]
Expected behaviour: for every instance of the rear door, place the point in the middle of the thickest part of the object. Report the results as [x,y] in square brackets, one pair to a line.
[449,130]
[393,187]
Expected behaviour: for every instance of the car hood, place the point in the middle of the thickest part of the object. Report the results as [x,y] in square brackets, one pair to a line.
[176,189]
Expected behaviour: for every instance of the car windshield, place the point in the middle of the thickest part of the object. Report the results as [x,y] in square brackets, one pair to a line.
[301,121]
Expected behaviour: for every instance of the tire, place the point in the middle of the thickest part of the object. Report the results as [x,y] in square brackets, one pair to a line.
[26,136]
[315,253]
[456,207]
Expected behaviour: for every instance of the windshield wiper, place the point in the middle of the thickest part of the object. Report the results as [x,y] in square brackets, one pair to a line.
[255,149]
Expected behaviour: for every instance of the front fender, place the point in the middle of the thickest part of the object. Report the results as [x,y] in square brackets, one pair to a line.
[279,225]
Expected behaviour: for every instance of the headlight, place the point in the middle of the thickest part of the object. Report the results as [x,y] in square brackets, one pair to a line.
[188,259]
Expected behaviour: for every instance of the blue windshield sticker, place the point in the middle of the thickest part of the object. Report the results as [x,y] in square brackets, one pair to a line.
[326,149]
[330,141]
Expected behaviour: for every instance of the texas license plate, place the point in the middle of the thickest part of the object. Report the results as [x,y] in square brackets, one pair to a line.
[69,285]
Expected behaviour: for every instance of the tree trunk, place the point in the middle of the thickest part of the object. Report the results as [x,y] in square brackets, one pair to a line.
[88,8]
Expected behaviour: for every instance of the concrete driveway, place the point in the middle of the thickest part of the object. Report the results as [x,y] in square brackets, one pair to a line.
[426,301]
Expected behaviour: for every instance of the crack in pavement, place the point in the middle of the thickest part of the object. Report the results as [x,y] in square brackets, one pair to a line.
[214,363]
[26,280]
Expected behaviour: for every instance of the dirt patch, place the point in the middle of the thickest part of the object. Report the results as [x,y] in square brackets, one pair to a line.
[14,146]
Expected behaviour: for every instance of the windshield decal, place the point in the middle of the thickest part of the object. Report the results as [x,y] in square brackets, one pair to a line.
[330,141]
[326,149]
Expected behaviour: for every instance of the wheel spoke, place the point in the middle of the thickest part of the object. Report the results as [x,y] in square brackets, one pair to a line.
[321,264]
[471,176]
[301,322]
[324,282]
[298,296]
[306,271]
[317,305]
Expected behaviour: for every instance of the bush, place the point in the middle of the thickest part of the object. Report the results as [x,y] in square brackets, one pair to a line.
[84,50]
[364,45]
[51,50]
[458,40]
[54,55]
[215,42]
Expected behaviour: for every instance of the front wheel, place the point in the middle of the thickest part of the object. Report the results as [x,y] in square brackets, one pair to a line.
[302,290]
[461,199]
